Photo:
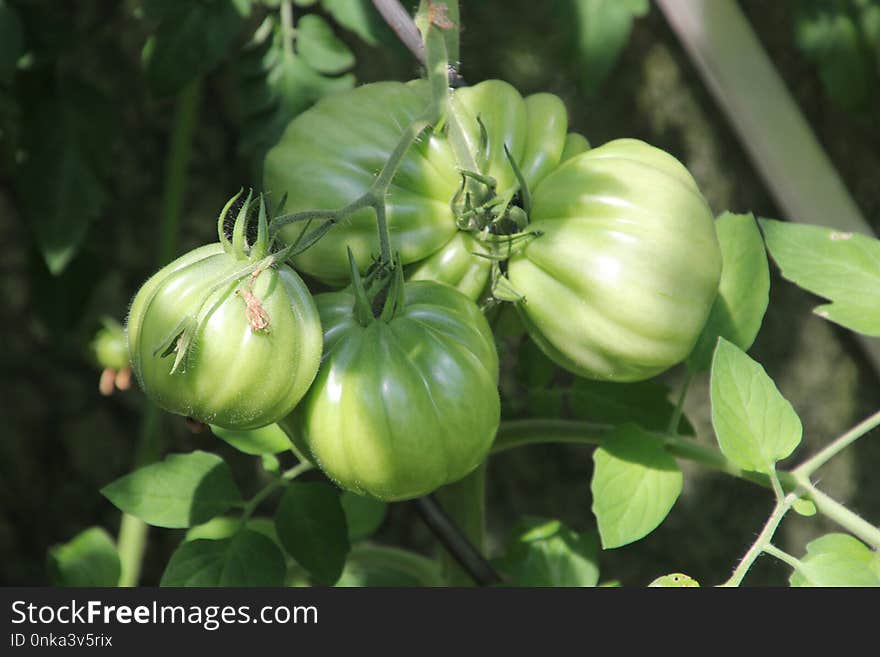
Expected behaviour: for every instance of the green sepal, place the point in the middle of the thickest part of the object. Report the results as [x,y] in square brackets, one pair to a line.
[483,153]
[395,299]
[363,311]
[525,195]
[502,289]
[221,221]
[260,249]
[239,230]
[178,341]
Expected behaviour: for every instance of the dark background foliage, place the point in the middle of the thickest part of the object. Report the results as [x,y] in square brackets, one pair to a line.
[85,131]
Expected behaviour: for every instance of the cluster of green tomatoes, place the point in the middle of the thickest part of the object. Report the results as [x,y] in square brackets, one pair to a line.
[391,386]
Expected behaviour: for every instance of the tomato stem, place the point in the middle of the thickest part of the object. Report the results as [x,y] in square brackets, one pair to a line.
[465,553]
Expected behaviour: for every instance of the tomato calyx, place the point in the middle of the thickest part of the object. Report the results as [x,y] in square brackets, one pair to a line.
[380,294]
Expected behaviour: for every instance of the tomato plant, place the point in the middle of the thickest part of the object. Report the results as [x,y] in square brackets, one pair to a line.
[459,299]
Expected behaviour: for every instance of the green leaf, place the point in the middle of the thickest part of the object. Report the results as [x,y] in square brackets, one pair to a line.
[804,507]
[382,566]
[838,560]
[547,553]
[191,40]
[635,484]
[181,491]
[311,525]
[68,139]
[320,48]
[358,16]
[270,439]
[363,514]
[842,267]
[755,425]
[674,580]
[275,85]
[247,558]
[604,27]
[645,403]
[743,293]
[11,41]
[88,559]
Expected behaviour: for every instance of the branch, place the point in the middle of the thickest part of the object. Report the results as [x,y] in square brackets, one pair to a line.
[455,542]
[401,22]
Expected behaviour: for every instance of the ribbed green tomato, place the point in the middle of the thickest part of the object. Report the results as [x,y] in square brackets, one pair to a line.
[329,156]
[236,376]
[401,407]
[620,282]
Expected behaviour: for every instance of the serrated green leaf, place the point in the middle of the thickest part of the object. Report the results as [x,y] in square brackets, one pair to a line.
[603,31]
[68,139]
[645,403]
[363,514]
[674,580]
[270,439]
[755,425]
[545,552]
[381,566]
[311,526]
[635,484]
[842,267]
[276,85]
[11,41]
[358,16]
[318,46]
[743,293]
[190,40]
[245,559]
[181,491]
[88,559]
[838,560]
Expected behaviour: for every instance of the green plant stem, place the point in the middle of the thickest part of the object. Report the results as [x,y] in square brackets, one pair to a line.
[837,512]
[518,433]
[132,537]
[280,482]
[465,503]
[785,557]
[812,464]
[763,540]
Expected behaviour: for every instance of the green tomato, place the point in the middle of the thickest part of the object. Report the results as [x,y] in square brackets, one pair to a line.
[403,406]
[236,377]
[457,264]
[620,281]
[109,347]
[330,155]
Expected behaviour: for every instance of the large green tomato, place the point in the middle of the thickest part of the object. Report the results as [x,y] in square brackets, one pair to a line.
[330,155]
[403,406]
[620,281]
[255,352]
